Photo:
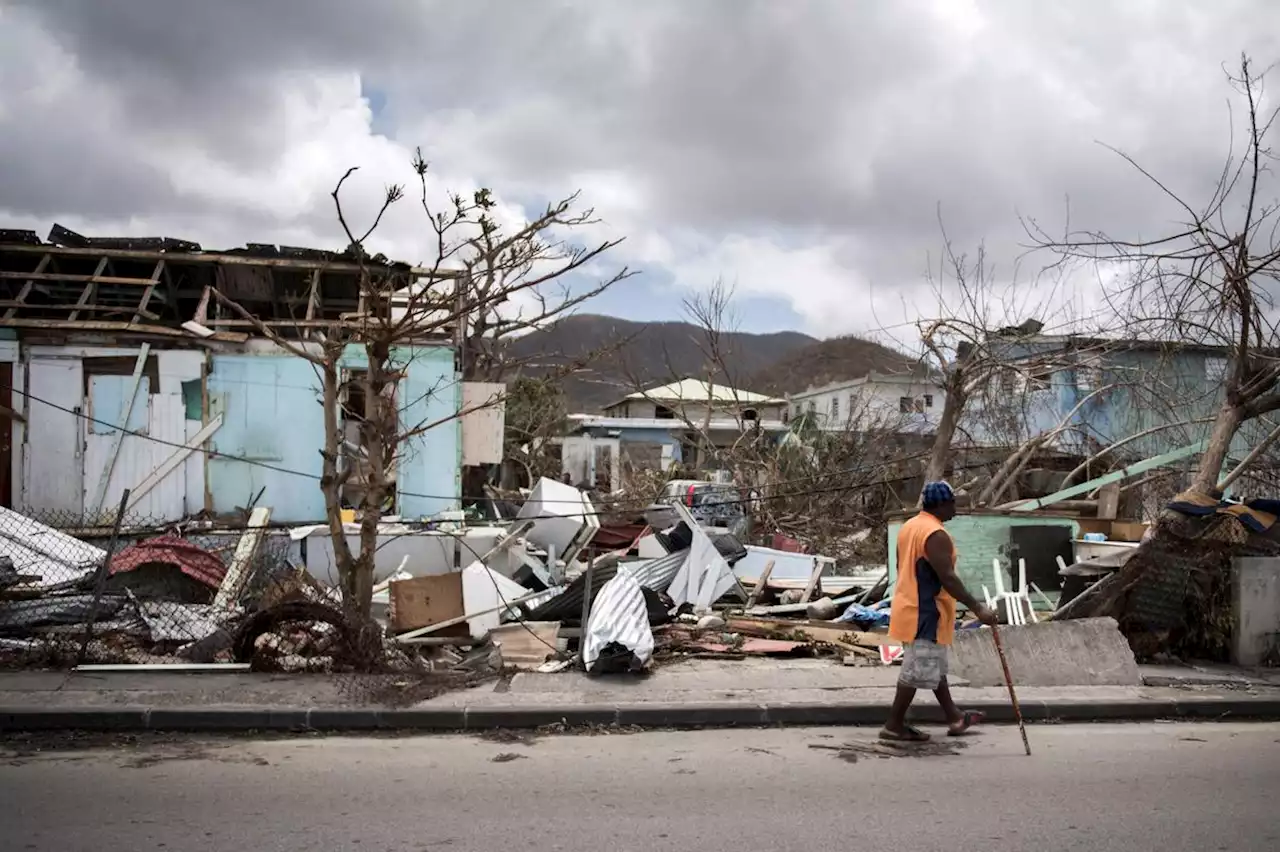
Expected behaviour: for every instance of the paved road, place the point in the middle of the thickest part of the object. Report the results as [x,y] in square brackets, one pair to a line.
[1114,788]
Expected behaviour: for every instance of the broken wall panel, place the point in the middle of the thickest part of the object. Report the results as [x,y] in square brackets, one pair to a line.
[53,470]
[483,429]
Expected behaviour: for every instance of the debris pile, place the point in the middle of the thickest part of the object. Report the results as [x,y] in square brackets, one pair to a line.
[1172,593]
[544,593]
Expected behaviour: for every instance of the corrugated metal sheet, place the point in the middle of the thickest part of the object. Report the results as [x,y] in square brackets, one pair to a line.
[657,574]
[566,605]
[618,614]
[39,549]
[190,559]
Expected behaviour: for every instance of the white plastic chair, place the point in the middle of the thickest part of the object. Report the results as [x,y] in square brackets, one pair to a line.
[1021,611]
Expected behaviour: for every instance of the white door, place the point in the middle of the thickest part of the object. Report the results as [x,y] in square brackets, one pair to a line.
[53,454]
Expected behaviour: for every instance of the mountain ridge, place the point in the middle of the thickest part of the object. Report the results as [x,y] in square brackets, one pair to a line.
[643,354]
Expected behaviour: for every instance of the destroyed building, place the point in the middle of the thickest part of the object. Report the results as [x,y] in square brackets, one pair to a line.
[97,333]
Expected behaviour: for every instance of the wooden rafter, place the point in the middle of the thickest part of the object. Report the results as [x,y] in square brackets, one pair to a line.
[90,287]
[313,301]
[104,325]
[74,279]
[26,288]
[146,294]
[210,257]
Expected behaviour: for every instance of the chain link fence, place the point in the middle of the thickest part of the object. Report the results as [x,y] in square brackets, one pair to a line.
[76,591]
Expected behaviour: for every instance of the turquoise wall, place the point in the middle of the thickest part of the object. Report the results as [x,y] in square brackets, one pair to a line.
[1146,388]
[979,539]
[272,414]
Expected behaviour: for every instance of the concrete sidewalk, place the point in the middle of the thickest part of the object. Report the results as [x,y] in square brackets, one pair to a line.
[685,694]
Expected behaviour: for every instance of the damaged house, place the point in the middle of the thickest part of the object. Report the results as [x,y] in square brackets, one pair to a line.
[681,423]
[119,371]
[1143,398]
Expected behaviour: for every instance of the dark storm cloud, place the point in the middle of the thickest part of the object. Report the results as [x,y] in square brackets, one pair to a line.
[828,123]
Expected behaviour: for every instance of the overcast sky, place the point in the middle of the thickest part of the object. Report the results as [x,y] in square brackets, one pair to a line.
[800,149]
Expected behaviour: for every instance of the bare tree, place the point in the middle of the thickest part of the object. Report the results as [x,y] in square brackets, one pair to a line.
[973,353]
[465,298]
[1211,280]
[820,479]
[536,412]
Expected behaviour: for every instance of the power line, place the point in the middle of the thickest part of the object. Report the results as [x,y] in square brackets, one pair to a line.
[214,454]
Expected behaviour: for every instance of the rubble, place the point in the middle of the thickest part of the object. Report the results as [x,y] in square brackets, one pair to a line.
[544,596]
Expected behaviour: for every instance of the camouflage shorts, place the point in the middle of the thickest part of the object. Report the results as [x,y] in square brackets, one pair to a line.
[924,664]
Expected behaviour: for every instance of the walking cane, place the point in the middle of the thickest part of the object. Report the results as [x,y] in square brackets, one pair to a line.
[1013,696]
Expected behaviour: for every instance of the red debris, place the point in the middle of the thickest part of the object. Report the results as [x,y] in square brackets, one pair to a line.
[787,544]
[189,558]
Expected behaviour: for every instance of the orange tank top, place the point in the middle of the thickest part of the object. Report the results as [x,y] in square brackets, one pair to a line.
[921,608]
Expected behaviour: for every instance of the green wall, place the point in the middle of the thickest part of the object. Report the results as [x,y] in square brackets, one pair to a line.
[979,539]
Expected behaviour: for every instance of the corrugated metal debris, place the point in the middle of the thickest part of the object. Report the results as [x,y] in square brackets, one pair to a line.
[545,589]
[618,637]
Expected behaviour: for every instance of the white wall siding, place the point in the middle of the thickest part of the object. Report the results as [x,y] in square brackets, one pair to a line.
[53,474]
[870,404]
[484,428]
[163,417]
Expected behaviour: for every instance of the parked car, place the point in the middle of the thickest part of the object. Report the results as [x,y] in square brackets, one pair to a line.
[712,504]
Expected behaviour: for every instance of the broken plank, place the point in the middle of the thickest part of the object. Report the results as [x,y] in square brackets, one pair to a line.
[74,279]
[90,288]
[26,288]
[151,288]
[824,631]
[795,609]
[528,643]
[761,584]
[229,260]
[170,464]
[124,327]
[117,439]
[238,571]
[819,565]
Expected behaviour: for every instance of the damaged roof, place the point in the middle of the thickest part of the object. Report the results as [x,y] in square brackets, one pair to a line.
[155,285]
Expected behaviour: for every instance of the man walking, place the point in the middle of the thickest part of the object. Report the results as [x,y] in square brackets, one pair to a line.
[923,614]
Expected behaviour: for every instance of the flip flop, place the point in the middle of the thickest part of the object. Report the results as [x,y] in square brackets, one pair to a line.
[909,735]
[967,720]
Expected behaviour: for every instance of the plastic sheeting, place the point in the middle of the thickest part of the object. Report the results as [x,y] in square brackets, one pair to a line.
[619,617]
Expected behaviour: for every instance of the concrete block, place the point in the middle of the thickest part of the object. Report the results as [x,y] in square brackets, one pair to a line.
[1257,610]
[1080,652]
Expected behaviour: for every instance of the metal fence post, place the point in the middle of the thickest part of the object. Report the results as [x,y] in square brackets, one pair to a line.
[100,579]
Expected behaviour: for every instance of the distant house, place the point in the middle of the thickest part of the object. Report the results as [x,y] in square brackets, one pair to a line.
[657,428]
[124,376]
[899,402]
[694,400]
[1108,390]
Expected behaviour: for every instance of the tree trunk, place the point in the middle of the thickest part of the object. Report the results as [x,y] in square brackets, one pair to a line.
[378,437]
[331,480]
[952,405]
[1215,454]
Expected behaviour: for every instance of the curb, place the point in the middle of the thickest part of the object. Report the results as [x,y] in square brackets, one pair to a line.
[643,715]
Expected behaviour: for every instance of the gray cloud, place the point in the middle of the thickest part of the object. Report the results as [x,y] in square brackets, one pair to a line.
[820,124]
